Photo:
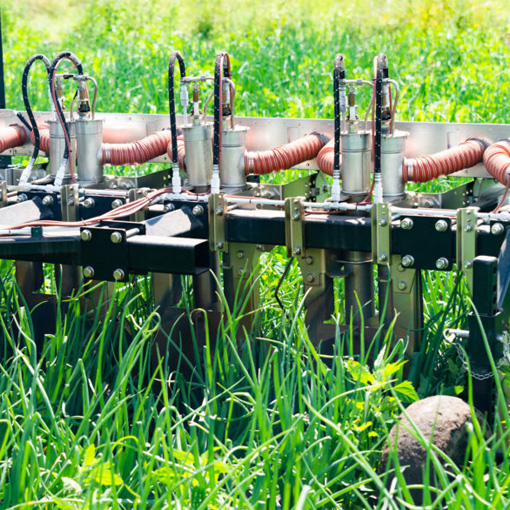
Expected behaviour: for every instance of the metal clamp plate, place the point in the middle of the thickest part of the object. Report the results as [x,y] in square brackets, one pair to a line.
[294,227]
[466,241]
[217,214]
[381,230]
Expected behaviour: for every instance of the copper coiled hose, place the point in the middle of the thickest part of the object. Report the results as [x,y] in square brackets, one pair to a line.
[286,156]
[467,154]
[12,136]
[497,161]
[326,158]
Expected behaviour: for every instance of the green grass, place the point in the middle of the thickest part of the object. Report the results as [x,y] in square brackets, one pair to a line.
[93,421]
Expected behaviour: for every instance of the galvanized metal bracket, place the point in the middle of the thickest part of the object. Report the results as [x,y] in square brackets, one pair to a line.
[313,267]
[381,233]
[466,241]
[133,196]
[294,227]
[217,214]
[69,202]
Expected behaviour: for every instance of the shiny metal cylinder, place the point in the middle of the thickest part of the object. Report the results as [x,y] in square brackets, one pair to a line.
[89,160]
[356,164]
[233,147]
[392,160]
[359,286]
[198,148]
[58,144]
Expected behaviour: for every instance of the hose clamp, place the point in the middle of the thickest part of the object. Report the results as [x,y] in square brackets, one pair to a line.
[410,167]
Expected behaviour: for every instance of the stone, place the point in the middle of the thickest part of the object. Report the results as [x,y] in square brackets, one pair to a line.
[441,419]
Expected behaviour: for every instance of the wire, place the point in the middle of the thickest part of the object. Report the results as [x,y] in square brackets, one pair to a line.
[64,55]
[171,98]
[26,100]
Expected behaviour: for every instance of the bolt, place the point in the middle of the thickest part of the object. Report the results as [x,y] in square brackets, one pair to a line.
[219,211]
[408,261]
[260,247]
[309,260]
[22,197]
[198,210]
[297,251]
[497,229]
[240,254]
[468,264]
[383,257]
[169,207]
[89,203]
[48,200]
[407,223]
[402,285]
[310,278]
[86,235]
[383,222]
[269,194]
[240,271]
[441,226]
[88,272]
[256,194]
[428,203]
[116,237]
[118,274]
[70,201]
[219,245]
[296,216]
[116,203]
[442,263]
[468,228]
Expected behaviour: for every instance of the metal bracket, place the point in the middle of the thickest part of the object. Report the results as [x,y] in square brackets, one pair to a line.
[217,214]
[403,277]
[69,202]
[294,227]
[466,241]
[133,195]
[381,230]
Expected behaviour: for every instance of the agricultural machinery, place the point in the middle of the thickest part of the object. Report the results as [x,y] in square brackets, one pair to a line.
[211,213]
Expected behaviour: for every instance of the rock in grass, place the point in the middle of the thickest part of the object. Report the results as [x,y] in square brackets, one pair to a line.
[441,420]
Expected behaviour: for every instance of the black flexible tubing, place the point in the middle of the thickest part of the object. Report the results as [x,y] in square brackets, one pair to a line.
[64,55]
[338,75]
[221,69]
[378,113]
[171,99]
[26,100]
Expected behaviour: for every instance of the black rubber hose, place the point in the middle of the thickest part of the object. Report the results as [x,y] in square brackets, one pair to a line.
[338,75]
[26,100]
[221,68]
[171,99]
[378,113]
[64,55]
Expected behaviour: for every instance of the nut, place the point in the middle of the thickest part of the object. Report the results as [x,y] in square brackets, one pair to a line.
[169,207]
[402,285]
[117,203]
[408,261]
[296,251]
[198,210]
[497,229]
[219,211]
[88,272]
[468,264]
[116,237]
[441,226]
[48,200]
[407,224]
[86,235]
[383,257]
[240,254]
[119,274]
[442,263]
[89,203]
[22,197]
[219,245]
[310,278]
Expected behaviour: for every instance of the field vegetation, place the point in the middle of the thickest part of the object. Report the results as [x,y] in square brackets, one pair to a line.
[91,420]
